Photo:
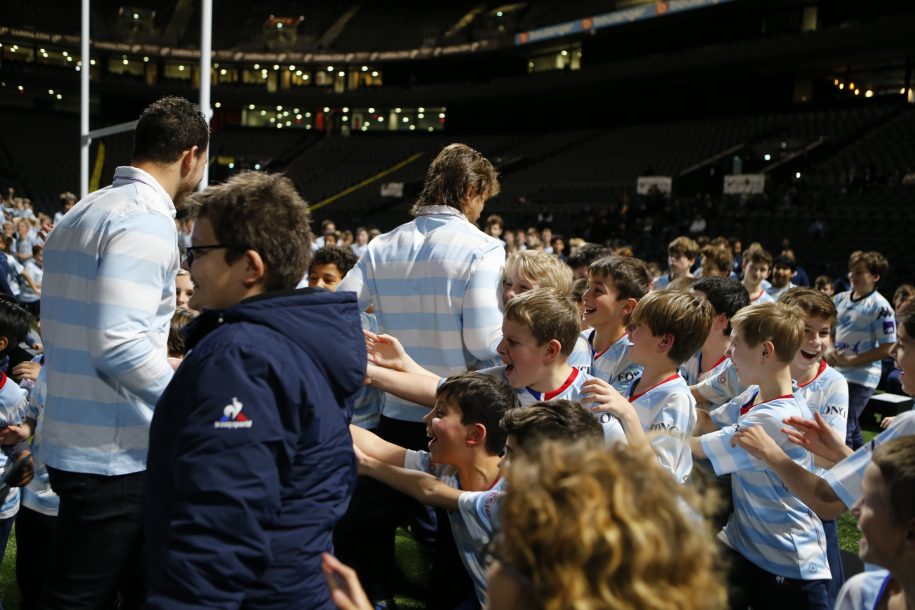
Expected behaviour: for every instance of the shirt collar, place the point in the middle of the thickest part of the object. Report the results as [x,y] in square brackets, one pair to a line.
[127,173]
[439,210]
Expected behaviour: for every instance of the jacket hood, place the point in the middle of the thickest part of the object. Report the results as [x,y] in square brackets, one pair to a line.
[322,326]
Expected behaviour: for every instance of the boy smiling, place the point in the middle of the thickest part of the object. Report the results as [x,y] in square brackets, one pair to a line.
[538,331]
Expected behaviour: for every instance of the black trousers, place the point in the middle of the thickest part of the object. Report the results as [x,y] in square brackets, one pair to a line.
[97,554]
[33,545]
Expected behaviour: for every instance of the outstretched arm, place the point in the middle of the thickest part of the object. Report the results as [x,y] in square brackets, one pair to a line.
[409,386]
[809,488]
[421,486]
[373,446]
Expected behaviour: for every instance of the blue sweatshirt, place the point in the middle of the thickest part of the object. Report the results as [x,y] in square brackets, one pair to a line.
[250,458]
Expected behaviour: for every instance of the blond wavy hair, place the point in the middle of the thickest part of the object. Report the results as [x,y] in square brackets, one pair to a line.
[607,529]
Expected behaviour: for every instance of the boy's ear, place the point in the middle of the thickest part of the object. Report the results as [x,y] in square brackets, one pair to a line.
[553,348]
[629,307]
[768,348]
[665,342]
[4,343]
[255,269]
[721,321]
[477,435]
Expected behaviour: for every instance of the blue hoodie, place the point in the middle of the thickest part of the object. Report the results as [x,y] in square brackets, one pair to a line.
[250,458]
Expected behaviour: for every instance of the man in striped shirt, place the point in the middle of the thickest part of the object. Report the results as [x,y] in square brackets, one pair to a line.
[435,285]
[108,297]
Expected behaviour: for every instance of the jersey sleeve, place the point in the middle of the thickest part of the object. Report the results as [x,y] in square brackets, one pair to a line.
[482,306]
[721,385]
[726,459]
[671,428]
[884,324]
[727,414]
[480,510]
[834,408]
[845,477]
[354,281]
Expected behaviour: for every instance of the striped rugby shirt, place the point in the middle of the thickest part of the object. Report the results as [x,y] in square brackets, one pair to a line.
[769,526]
[435,284]
[107,299]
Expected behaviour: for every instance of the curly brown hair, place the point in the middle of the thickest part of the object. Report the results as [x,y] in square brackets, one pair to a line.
[595,529]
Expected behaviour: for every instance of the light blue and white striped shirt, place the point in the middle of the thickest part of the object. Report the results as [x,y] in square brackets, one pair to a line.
[369,401]
[38,495]
[13,406]
[862,325]
[721,384]
[435,284]
[107,300]
[613,364]
[828,394]
[845,477]
[470,541]
[769,526]
[863,591]
[570,390]
[667,413]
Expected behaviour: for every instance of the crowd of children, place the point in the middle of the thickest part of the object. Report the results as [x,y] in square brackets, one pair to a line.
[573,468]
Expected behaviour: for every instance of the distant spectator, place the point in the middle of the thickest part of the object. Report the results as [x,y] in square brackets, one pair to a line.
[824,284]
[67,201]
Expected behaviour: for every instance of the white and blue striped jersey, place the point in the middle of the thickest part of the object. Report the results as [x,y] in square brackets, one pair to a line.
[761,297]
[435,284]
[38,495]
[661,282]
[470,540]
[667,413]
[845,477]
[828,394]
[862,325]
[369,401]
[107,301]
[570,390]
[613,364]
[721,384]
[775,293]
[13,407]
[580,357]
[692,372]
[863,591]
[769,526]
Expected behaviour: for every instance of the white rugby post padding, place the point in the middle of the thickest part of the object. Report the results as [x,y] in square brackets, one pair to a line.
[84,139]
[206,52]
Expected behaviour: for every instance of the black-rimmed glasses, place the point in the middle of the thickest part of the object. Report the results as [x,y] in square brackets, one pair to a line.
[191,251]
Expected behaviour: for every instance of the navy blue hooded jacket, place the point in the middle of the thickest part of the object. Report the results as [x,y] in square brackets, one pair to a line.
[250,458]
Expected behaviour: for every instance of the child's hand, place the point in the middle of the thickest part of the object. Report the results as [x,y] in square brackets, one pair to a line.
[344,585]
[26,370]
[757,442]
[886,422]
[12,434]
[386,351]
[817,437]
[600,396]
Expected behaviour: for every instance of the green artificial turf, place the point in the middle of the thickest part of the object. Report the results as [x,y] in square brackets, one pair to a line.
[9,592]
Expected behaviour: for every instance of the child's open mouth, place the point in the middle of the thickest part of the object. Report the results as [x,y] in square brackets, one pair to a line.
[432,439]
[589,310]
[810,355]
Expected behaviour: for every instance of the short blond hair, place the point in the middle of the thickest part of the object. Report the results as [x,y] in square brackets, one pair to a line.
[538,266]
[549,314]
[780,323]
[682,315]
[598,528]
